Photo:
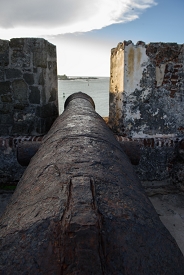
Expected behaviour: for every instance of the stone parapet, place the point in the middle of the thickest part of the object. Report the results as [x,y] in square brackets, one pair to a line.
[147,103]
[10,170]
[161,159]
[28,97]
[28,86]
[147,90]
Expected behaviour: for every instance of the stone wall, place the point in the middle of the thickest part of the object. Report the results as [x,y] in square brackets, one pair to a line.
[28,97]
[147,103]
[28,86]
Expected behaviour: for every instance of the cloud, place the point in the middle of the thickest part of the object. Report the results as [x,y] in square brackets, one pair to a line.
[46,17]
[83,54]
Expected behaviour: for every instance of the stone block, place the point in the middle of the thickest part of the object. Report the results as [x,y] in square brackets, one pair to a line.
[6,98]
[41,80]
[21,52]
[19,106]
[5,87]
[53,95]
[43,125]
[34,96]
[51,50]
[43,96]
[20,90]
[48,123]
[6,119]
[47,110]
[2,76]
[4,53]
[5,130]
[49,65]
[54,68]
[17,43]
[20,128]
[18,116]
[29,78]
[39,59]
[42,51]
[4,45]
[13,73]
[19,59]
[5,108]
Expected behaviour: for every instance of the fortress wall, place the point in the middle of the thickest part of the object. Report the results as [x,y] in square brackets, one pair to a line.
[28,86]
[28,96]
[147,90]
[147,103]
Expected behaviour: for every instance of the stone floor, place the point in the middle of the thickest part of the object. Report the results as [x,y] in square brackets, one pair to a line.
[168,202]
[170,208]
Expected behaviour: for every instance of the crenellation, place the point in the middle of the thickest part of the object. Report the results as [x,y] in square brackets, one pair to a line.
[28,80]
[146,104]
[146,91]
[28,94]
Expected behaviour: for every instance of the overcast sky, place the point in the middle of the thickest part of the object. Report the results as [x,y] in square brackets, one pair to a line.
[85,31]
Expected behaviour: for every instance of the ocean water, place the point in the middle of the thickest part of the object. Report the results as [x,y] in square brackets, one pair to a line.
[98,89]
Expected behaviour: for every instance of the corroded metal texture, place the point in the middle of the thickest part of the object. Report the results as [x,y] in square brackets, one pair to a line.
[80,209]
[79,95]
[26,150]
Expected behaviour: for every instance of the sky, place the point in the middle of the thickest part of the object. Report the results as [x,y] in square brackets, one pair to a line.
[84,31]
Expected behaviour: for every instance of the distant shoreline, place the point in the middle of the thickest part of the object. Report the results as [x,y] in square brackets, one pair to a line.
[65,77]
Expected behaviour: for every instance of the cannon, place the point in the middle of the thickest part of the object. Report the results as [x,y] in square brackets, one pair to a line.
[80,209]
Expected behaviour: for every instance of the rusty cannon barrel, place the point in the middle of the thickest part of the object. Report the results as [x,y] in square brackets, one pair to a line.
[80,209]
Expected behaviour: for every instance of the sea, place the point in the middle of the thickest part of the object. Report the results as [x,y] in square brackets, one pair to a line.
[98,89]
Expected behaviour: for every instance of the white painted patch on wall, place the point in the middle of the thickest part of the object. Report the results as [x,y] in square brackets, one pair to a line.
[145,93]
[160,71]
[136,61]
[156,113]
[130,115]
[141,134]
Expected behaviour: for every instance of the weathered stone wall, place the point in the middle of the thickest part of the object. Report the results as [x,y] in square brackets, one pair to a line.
[147,89]
[28,96]
[147,102]
[10,170]
[28,86]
